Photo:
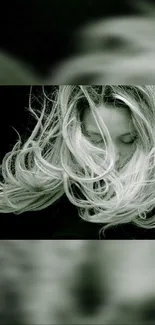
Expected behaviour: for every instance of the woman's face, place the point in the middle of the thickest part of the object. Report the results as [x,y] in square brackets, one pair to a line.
[120,126]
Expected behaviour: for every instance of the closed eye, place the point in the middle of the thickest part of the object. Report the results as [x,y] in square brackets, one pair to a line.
[125,139]
[93,137]
[129,140]
[96,140]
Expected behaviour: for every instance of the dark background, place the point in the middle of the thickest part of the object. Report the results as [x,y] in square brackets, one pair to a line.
[40,32]
[61,220]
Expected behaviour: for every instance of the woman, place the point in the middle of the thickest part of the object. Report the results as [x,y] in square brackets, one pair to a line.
[95,144]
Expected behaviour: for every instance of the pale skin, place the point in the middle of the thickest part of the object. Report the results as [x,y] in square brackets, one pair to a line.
[120,126]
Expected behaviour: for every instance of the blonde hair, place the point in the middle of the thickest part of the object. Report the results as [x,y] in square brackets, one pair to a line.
[58,158]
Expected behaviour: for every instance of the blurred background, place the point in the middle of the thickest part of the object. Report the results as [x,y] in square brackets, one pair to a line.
[77,282]
[57,42]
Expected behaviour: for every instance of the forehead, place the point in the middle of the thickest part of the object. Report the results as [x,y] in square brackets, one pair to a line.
[115,118]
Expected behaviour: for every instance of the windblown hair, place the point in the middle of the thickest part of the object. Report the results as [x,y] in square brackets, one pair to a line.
[58,158]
